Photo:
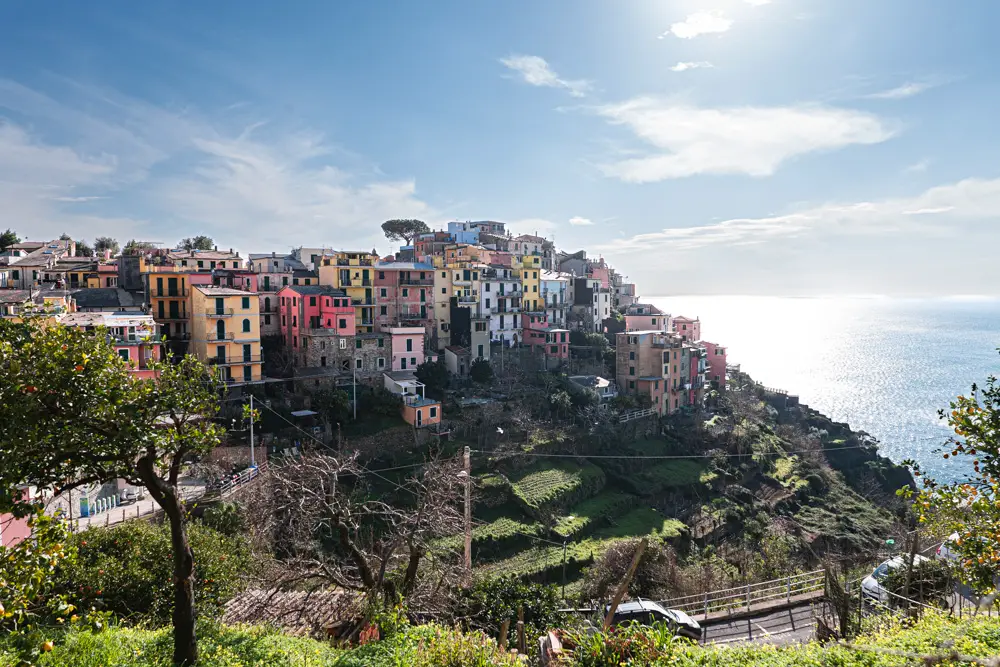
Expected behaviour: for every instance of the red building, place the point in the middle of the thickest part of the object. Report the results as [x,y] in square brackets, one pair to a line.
[404,294]
[304,307]
[716,364]
[540,336]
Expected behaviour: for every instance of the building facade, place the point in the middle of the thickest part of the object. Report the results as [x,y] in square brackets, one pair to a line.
[225,331]
[354,273]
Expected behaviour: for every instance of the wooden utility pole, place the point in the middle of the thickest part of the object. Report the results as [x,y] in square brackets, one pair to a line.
[623,586]
[467,457]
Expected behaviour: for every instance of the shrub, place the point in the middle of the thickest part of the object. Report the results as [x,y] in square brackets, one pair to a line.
[492,600]
[631,644]
[226,518]
[128,570]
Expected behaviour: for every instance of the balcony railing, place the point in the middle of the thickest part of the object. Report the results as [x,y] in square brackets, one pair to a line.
[470,298]
[219,312]
[347,262]
[227,361]
[177,292]
[416,281]
[363,302]
[217,336]
[168,317]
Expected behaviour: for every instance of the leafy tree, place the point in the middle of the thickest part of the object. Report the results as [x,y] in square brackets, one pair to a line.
[481,371]
[333,405]
[492,600]
[84,250]
[561,403]
[404,230]
[72,414]
[969,507]
[930,582]
[103,243]
[127,570]
[198,243]
[7,239]
[65,237]
[134,247]
[31,602]
[434,375]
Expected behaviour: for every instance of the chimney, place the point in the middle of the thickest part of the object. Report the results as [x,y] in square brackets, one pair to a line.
[230,251]
[215,248]
[274,254]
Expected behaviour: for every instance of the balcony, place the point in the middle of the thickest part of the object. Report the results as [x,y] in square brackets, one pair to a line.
[172,317]
[363,302]
[468,298]
[237,360]
[360,262]
[219,312]
[215,336]
[176,293]
[416,281]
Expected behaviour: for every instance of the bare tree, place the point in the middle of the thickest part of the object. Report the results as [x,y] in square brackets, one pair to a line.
[326,525]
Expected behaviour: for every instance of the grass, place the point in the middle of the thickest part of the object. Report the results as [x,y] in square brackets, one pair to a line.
[502,533]
[547,486]
[643,521]
[673,474]
[588,515]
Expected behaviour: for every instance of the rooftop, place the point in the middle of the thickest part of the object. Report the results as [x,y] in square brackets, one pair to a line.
[404,266]
[304,273]
[99,319]
[105,297]
[322,290]
[14,295]
[213,290]
[203,254]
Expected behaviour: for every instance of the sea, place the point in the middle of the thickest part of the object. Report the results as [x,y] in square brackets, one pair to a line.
[883,365]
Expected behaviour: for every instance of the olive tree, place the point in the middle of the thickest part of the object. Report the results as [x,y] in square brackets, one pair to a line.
[72,414]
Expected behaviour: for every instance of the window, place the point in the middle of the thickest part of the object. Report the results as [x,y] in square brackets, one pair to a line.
[554,349]
[295,320]
[381,362]
[312,301]
[654,321]
[487,301]
[345,364]
[631,370]
[247,373]
[201,264]
[124,354]
[381,276]
[434,412]
[631,356]
[631,384]
[409,345]
[383,293]
[284,321]
[359,364]
[357,343]
[444,291]
[267,320]
[295,341]
[343,343]
[444,275]
[295,281]
[246,326]
[322,361]
[342,323]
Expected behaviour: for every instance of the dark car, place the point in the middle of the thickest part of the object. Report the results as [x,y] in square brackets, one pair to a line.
[647,613]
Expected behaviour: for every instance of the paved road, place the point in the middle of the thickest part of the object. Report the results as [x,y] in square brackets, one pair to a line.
[780,627]
[190,489]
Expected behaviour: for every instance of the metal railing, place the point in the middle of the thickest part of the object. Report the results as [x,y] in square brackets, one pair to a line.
[240,359]
[744,598]
[168,293]
[636,414]
[217,336]
[219,312]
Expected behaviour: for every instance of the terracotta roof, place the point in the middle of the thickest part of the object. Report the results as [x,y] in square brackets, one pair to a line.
[213,290]
[14,295]
[299,613]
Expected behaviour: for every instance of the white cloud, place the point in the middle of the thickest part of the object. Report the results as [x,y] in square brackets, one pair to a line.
[757,3]
[968,202]
[245,183]
[577,221]
[699,23]
[540,226]
[536,71]
[902,91]
[755,141]
[684,66]
[918,167]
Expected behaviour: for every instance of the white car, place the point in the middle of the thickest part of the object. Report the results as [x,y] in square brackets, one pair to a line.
[945,550]
[871,585]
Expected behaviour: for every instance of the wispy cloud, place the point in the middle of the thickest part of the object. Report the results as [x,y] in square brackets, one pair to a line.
[699,23]
[972,201]
[685,140]
[903,91]
[684,66]
[239,180]
[757,3]
[918,167]
[535,71]
[577,221]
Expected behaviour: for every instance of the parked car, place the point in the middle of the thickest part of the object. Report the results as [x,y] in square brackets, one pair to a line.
[946,549]
[871,585]
[647,613]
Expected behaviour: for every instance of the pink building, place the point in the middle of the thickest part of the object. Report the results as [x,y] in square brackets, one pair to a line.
[107,274]
[305,307]
[645,317]
[404,294]
[135,336]
[13,530]
[716,364]
[689,329]
[599,270]
[407,347]
[538,334]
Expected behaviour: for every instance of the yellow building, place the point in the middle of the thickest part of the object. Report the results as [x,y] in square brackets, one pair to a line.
[169,295]
[352,272]
[529,268]
[443,291]
[225,330]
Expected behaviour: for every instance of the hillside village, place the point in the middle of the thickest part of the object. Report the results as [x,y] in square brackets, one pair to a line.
[342,317]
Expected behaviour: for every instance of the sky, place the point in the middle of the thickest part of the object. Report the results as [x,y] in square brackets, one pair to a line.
[785,147]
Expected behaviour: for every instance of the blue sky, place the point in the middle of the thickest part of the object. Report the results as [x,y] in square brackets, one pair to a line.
[703,146]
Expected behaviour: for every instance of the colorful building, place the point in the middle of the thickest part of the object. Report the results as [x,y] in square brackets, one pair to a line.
[529,268]
[405,294]
[646,317]
[407,346]
[417,410]
[716,357]
[555,296]
[204,260]
[500,305]
[168,294]
[135,337]
[551,343]
[311,307]
[649,364]
[225,331]
[687,328]
[354,273]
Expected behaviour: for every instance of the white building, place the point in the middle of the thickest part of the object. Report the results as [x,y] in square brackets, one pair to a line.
[555,294]
[500,303]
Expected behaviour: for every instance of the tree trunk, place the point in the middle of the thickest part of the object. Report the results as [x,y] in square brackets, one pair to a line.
[185,641]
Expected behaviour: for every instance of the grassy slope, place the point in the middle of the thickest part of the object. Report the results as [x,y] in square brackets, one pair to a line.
[430,646]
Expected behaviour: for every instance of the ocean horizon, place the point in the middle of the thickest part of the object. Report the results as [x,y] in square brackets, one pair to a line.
[885,365]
